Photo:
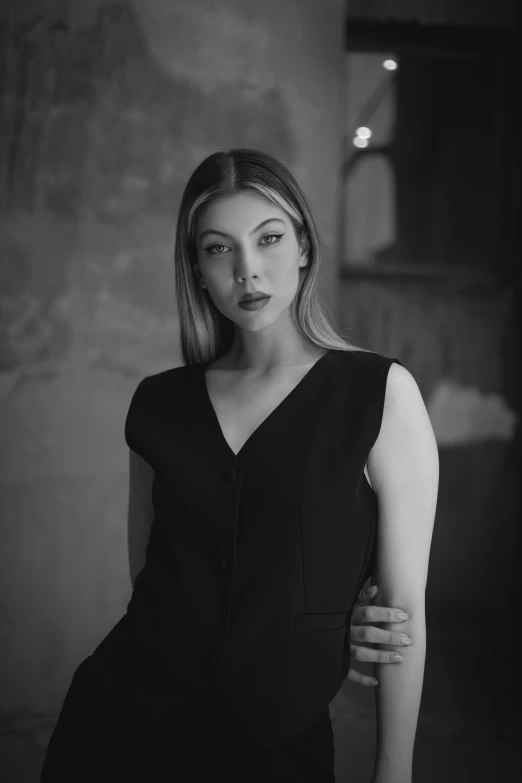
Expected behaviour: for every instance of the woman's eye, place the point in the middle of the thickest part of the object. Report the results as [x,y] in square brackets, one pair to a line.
[277,237]
[210,250]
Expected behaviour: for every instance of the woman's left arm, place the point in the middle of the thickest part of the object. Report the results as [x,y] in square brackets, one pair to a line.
[404,471]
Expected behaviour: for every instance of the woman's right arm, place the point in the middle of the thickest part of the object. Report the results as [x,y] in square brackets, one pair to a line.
[140,512]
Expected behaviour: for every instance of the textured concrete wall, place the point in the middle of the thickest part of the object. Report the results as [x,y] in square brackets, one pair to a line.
[108,107]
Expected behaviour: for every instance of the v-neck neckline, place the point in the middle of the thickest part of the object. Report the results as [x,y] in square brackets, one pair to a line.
[217,425]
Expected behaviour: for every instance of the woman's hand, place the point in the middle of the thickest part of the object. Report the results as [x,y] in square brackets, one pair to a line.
[361,630]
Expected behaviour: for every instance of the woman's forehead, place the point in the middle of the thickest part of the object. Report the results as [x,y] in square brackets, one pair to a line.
[238,210]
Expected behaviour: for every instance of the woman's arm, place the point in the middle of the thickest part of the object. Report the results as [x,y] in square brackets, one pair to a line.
[404,470]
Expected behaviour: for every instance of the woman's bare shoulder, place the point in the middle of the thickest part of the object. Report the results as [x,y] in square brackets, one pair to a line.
[406,441]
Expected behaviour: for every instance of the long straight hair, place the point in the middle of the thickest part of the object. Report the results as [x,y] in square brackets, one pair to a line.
[205,332]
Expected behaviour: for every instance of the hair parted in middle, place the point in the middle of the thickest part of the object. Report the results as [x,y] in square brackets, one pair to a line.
[205,333]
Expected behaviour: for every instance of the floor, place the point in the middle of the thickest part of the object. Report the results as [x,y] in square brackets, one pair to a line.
[469,728]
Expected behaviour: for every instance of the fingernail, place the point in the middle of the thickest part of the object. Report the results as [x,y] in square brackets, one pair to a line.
[395,657]
[403,616]
[405,640]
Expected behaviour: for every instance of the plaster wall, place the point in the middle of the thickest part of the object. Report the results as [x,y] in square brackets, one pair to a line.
[108,107]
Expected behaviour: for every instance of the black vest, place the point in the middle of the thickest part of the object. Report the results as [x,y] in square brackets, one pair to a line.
[254,561]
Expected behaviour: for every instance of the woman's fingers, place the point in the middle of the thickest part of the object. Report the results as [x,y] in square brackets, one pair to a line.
[364,613]
[377,614]
[372,635]
[367,592]
[360,653]
[362,679]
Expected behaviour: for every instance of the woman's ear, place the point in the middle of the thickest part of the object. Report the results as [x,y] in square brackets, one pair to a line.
[304,250]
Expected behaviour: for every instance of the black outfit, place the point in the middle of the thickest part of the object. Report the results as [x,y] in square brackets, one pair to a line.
[236,637]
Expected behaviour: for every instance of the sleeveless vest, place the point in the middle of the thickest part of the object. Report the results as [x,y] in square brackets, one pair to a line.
[255,560]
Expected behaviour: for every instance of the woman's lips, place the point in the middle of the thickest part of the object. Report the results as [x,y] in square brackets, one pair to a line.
[254,304]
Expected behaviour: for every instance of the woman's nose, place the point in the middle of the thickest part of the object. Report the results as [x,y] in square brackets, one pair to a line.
[246,264]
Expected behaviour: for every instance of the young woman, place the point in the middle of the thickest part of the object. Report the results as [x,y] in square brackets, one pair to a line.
[270,475]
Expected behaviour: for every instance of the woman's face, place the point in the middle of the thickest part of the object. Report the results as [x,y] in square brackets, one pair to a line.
[246,243]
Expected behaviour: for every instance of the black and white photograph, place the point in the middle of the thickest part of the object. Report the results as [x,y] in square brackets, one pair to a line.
[260,391]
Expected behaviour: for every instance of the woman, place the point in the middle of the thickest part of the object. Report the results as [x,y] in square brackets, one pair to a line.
[258,472]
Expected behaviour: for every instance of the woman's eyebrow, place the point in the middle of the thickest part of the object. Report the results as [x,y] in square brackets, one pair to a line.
[222,234]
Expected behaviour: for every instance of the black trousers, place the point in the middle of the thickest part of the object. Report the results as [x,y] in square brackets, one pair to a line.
[95,739]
